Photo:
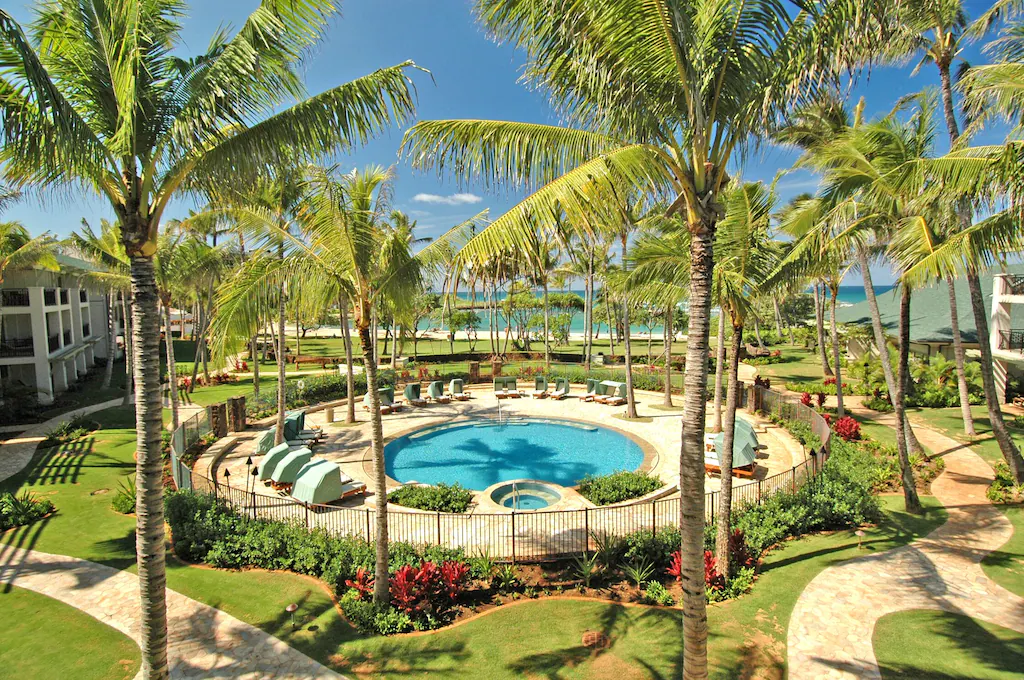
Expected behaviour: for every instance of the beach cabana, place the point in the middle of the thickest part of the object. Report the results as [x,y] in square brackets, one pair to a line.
[540,387]
[744,451]
[321,481]
[436,392]
[562,387]
[455,389]
[288,469]
[412,395]
[271,459]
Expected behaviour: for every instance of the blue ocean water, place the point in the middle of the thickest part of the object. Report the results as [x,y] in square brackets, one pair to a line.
[477,455]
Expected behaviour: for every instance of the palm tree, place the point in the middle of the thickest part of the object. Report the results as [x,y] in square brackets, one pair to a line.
[665,92]
[114,109]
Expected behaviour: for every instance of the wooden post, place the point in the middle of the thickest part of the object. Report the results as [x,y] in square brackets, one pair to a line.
[474,371]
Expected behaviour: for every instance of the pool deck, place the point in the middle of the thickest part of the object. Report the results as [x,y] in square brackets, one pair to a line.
[349,445]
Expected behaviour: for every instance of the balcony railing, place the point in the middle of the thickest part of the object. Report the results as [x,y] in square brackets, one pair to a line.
[16,347]
[1012,340]
[83,296]
[53,343]
[49,297]
[67,338]
[63,296]
[1014,284]
[14,297]
[86,330]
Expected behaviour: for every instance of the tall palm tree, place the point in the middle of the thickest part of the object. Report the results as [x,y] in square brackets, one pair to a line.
[665,92]
[115,110]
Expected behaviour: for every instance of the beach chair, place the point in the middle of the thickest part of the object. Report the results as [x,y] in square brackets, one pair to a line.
[455,389]
[385,408]
[294,432]
[617,396]
[287,470]
[271,459]
[540,388]
[500,391]
[562,387]
[513,388]
[436,392]
[387,395]
[412,395]
[601,391]
[591,392]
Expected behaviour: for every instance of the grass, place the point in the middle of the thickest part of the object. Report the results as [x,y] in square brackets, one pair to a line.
[949,422]
[55,640]
[538,638]
[806,368]
[936,645]
[1006,565]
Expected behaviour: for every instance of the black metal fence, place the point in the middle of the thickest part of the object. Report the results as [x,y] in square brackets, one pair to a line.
[530,536]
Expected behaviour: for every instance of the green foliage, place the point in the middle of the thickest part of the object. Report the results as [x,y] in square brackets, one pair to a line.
[481,567]
[312,390]
[638,571]
[741,582]
[935,383]
[1003,489]
[585,567]
[440,498]
[16,511]
[370,619]
[655,547]
[69,431]
[610,549]
[656,593]
[618,486]
[878,403]
[506,578]
[124,499]
[769,360]
[887,474]
[800,430]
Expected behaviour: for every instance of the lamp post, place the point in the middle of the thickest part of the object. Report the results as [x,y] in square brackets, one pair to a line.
[254,474]
[248,472]
[291,613]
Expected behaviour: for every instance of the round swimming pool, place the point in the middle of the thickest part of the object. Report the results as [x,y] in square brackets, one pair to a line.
[480,453]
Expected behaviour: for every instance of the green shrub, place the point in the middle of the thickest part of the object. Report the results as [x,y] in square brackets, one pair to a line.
[655,593]
[312,390]
[1003,489]
[618,486]
[440,498]
[68,431]
[124,499]
[878,403]
[16,511]
[741,582]
[653,547]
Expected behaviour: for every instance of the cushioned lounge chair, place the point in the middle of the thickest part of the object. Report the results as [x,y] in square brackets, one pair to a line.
[562,387]
[540,387]
[616,396]
[500,391]
[271,459]
[591,392]
[436,392]
[412,395]
[385,408]
[455,389]
[288,469]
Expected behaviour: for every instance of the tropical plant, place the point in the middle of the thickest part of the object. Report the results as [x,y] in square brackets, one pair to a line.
[116,110]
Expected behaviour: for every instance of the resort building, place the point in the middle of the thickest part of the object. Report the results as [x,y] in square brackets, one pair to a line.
[52,328]
[930,328]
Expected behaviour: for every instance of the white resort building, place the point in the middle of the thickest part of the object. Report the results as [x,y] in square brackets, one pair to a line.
[52,328]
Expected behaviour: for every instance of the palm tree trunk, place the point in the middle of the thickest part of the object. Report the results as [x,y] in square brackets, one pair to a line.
[172,371]
[667,332]
[834,331]
[819,319]
[381,594]
[129,357]
[883,346]
[350,412]
[199,332]
[281,365]
[757,332]
[912,502]
[1006,446]
[149,470]
[588,312]
[547,321]
[611,326]
[958,353]
[630,397]
[255,367]
[778,317]
[298,326]
[691,456]
[719,369]
[724,519]
[108,370]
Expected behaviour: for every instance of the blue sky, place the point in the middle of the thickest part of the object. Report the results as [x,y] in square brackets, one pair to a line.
[472,78]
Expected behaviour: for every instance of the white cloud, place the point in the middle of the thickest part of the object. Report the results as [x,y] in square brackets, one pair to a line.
[453,199]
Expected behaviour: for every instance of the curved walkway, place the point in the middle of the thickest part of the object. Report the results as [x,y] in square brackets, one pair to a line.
[830,631]
[202,642]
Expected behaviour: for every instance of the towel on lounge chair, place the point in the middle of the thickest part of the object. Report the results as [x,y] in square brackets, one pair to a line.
[540,387]
[436,392]
[455,388]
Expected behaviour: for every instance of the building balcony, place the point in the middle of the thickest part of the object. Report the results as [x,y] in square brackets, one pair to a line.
[14,297]
[16,347]
[1014,284]
[1012,340]
[53,343]
[50,297]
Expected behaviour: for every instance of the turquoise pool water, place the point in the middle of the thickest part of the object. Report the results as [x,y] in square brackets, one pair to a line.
[481,453]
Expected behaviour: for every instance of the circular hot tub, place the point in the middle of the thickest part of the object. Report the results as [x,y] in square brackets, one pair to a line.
[525,495]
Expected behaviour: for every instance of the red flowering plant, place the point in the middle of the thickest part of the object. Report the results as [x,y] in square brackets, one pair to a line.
[805,398]
[777,354]
[423,372]
[363,584]
[821,399]
[847,428]
[429,591]
[405,375]
[712,579]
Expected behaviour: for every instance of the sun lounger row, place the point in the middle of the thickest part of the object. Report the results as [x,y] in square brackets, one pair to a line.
[308,480]
[605,392]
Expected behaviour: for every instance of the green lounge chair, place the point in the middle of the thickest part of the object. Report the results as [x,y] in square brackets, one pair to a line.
[265,442]
[383,402]
[500,391]
[562,387]
[412,395]
[320,481]
[436,392]
[288,469]
[591,392]
[616,395]
[455,389]
[540,387]
[271,459]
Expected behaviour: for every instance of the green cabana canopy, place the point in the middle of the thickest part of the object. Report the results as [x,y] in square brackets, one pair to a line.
[268,464]
[318,481]
[745,444]
[288,469]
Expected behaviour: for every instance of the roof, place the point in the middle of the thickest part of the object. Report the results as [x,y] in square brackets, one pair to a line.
[929,310]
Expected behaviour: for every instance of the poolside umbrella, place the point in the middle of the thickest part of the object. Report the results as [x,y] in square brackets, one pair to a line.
[318,481]
[268,464]
[745,445]
[288,469]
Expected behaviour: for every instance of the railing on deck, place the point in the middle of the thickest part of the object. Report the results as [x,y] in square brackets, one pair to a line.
[511,536]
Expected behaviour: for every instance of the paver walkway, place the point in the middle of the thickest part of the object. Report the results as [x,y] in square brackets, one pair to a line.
[203,642]
[833,621]
[17,452]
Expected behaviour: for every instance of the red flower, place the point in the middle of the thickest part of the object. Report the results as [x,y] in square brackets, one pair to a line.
[363,583]
[847,428]
[805,398]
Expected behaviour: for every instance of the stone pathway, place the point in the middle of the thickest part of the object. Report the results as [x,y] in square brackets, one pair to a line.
[203,642]
[17,452]
[832,624]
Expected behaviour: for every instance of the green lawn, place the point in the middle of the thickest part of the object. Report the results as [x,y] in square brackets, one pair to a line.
[44,638]
[934,645]
[1006,565]
[949,422]
[806,367]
